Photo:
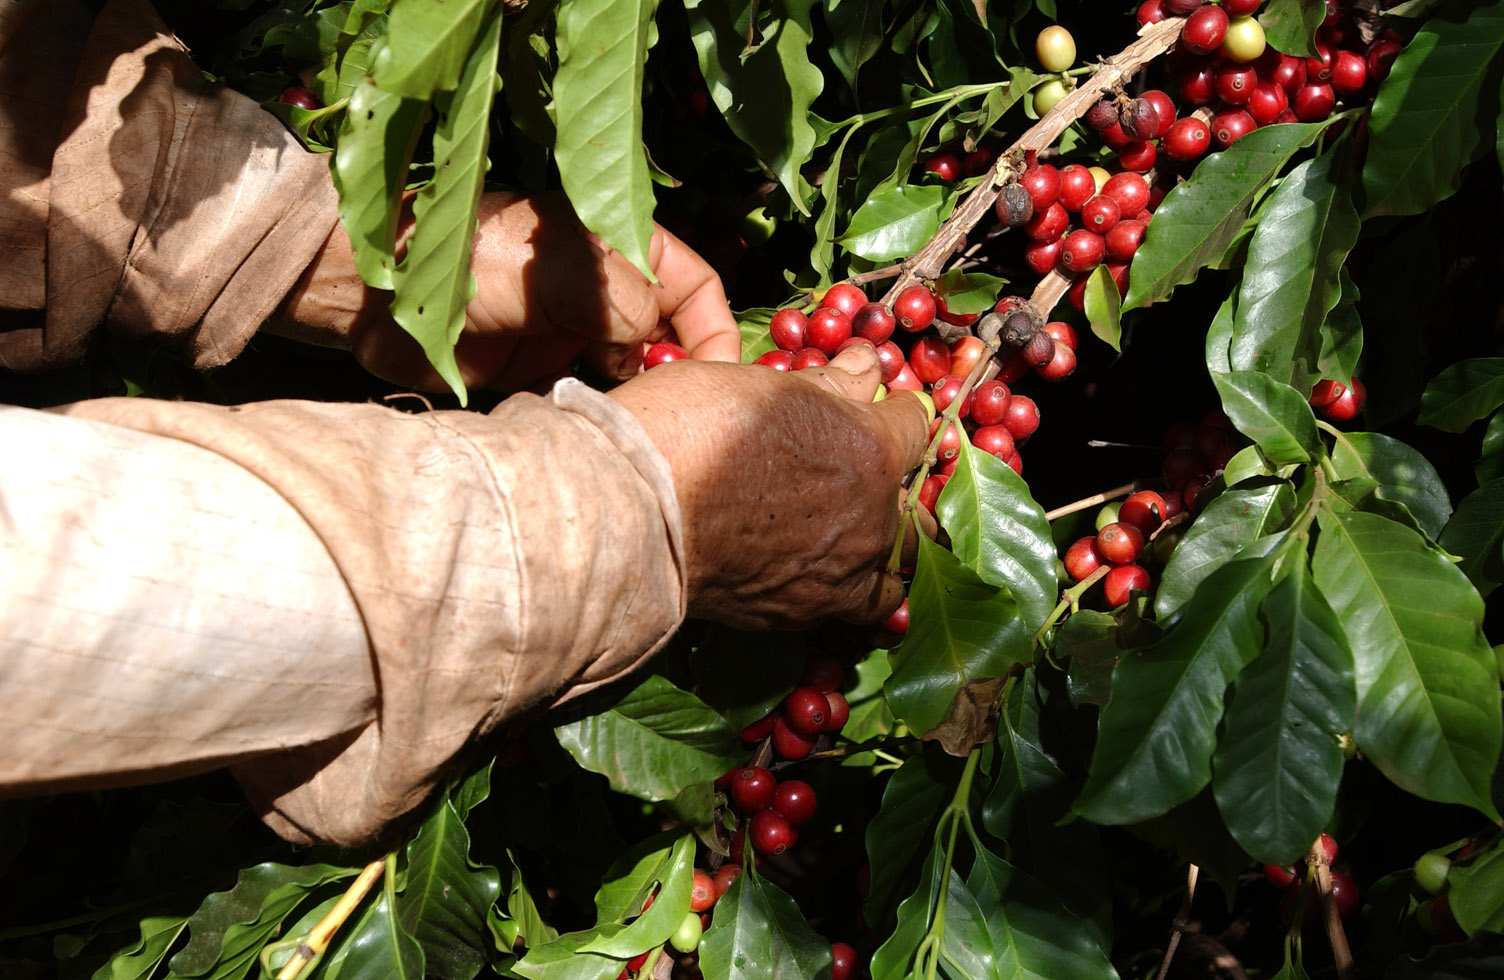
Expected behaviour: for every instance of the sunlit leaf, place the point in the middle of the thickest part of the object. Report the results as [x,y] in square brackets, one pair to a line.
[1231,522]
[1272,414]
[1402,475]
[758,933]
[895,223]
[1104,307]
[1290,25]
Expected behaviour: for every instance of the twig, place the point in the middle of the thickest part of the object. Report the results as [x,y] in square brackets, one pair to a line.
[1181,919]
[929,261]
[1095,500]
[1342,955]
[323,933]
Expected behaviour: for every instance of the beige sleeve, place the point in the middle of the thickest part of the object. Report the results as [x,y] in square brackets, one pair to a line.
[142,197]
[332,599]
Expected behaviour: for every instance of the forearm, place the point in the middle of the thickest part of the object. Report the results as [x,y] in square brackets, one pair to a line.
[444,572]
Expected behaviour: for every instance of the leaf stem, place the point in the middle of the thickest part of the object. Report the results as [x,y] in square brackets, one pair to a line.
[313,948]
[1070,599]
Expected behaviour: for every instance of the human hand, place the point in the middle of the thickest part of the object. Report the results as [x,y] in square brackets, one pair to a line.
[788,485]
[547,292]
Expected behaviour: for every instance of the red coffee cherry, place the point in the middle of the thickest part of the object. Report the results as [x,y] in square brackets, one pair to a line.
[1229,126]
[1267,102]
[1279,876]
[1319,68]
[1235,83]
[930,359]
[976,162]
[1140,120]
[891,361]
[1084,250]
[839,710]
[827,329]
[1061,366]
[906,380]
[822,673]
[770,832]
[945,392]
[1082,558]
[1043,256]
[1145,510]
[1313,103]
[1204,29]
[1124,239]
[1349,72]
[1346,406]
[806,711]
[995,439]
[1381,55]
[752,788]
[897,623]
[810,357]
[915,308]
[845,297]
[1131,192]
[1119,273]
[787,329]
[724,876]
[1115,137]
[1049,224]
[1325,392]
[788,743]
[989,402]
[758,730]
[1240,8]
[1196,82]
[1138,157]
[1120,543]
[1179,8]
[1164,106]
[795,799]
[1077,186]
[1043,184]
[964,355]
[663,352]
[702,893]
[1119,584]
[1149,12]
[950,443]
[929,491]
[1100,214]
[778,360]
[873,321]
[1062,333]
[297,95]
[1022,418]
[946,165]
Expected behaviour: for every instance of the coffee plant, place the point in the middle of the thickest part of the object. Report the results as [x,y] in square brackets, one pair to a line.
[1225,275]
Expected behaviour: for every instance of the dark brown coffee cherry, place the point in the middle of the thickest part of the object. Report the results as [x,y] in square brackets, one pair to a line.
[1040,349]
[1140,120]
[1102,115]
[1014,205]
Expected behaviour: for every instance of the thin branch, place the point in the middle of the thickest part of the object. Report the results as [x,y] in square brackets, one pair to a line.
[1182,918]
[1095,500]
[323,933]
[1342,955]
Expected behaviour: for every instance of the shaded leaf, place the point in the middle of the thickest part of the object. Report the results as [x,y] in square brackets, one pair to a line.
[139,961]
[1423,127]
[628,885]
[1155,739]
[1402,475]
[1278,764]
[895,223]
[1428,691]
[903,827]
[999,531]
[1490,465]
[891,960]
[1480,958]
[1219,335]
[1342,333]
[1476,533]
[758,933]
[1033,938]
[1201,218]
[654,742]
[1272,414]
[744,674]
[1476,892]
[1463,393]
[524,909]
[597,113]
[375,945]
[1232,521]
[446,899]
[961,629]
[1291,277]
[969,292]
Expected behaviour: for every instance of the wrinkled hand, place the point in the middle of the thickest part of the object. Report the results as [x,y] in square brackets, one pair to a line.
[788,485]
[547,292]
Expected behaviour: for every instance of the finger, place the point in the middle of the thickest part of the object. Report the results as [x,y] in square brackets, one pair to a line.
[923,523]
[885,595]
[854,373]
[538,361]
[906,424]
[691,297]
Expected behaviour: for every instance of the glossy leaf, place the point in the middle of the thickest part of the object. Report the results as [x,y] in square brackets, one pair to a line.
[654,742]
[1490,465]
[967,941]
[1476,892]
[904,827]
[445,901]
[1423,127]
[433,282]
[969,292]
[628,885]
[1219,335]
[1290,280]
[1155,739]
[1428,691]
[895,223]
[1272,414]
[1089,640]
[429,45]
[1402,475]
[1278,764]
[375,945]
[758,933]
[1342,333]
[891,961]
[1201,218]
[1475,534]
[597,112]
[522,907]
[1033,938]
[962,634]
[229,928]
[139,962]
[1104,307]
[858,29]
[757,337]
[1462,394]
[564,958]
[999,531]
[1290,25]
[370,170]
[1029,806]
[1232,521]
[764,93]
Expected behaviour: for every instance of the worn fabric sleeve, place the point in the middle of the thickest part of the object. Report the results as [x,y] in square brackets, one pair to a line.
[332,599]
[143,198]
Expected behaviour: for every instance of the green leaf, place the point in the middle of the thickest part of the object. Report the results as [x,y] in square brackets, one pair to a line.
[564,958]
[765,93]
[1104,307]
[429,45]
[1155,739]
[999,531]
[370,169]
[1403,475]
[858,29]
[433,282]
[1476,892]
[1033,937]
[446,899]
[1201,218]
[524,909]
[969,292]
[230,927]
[891,960]
[1475,534]
[1231,522]
[963,635]
[1278,765]
[967,941]
[1290,25]
[1423,128]
[903,827]
[1481,958]
[1219,335]
[1291,278]
[757,337]
[1463,393]
[139,961]
[1428,689]
[1272,414]
[375,945]
[654,742]
[758,933]
[1490,465]
[630,883]
[1342,333]
[603,48]
[1089,640]
[1029,806]
[895,223]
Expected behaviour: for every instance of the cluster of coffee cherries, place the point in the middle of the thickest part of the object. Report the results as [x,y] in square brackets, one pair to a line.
[1338,402]
[1295,888]
[1433,914]
[1223,63]
[814,709]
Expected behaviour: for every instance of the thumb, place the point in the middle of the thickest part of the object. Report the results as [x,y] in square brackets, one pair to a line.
[854,373]
[905,422]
